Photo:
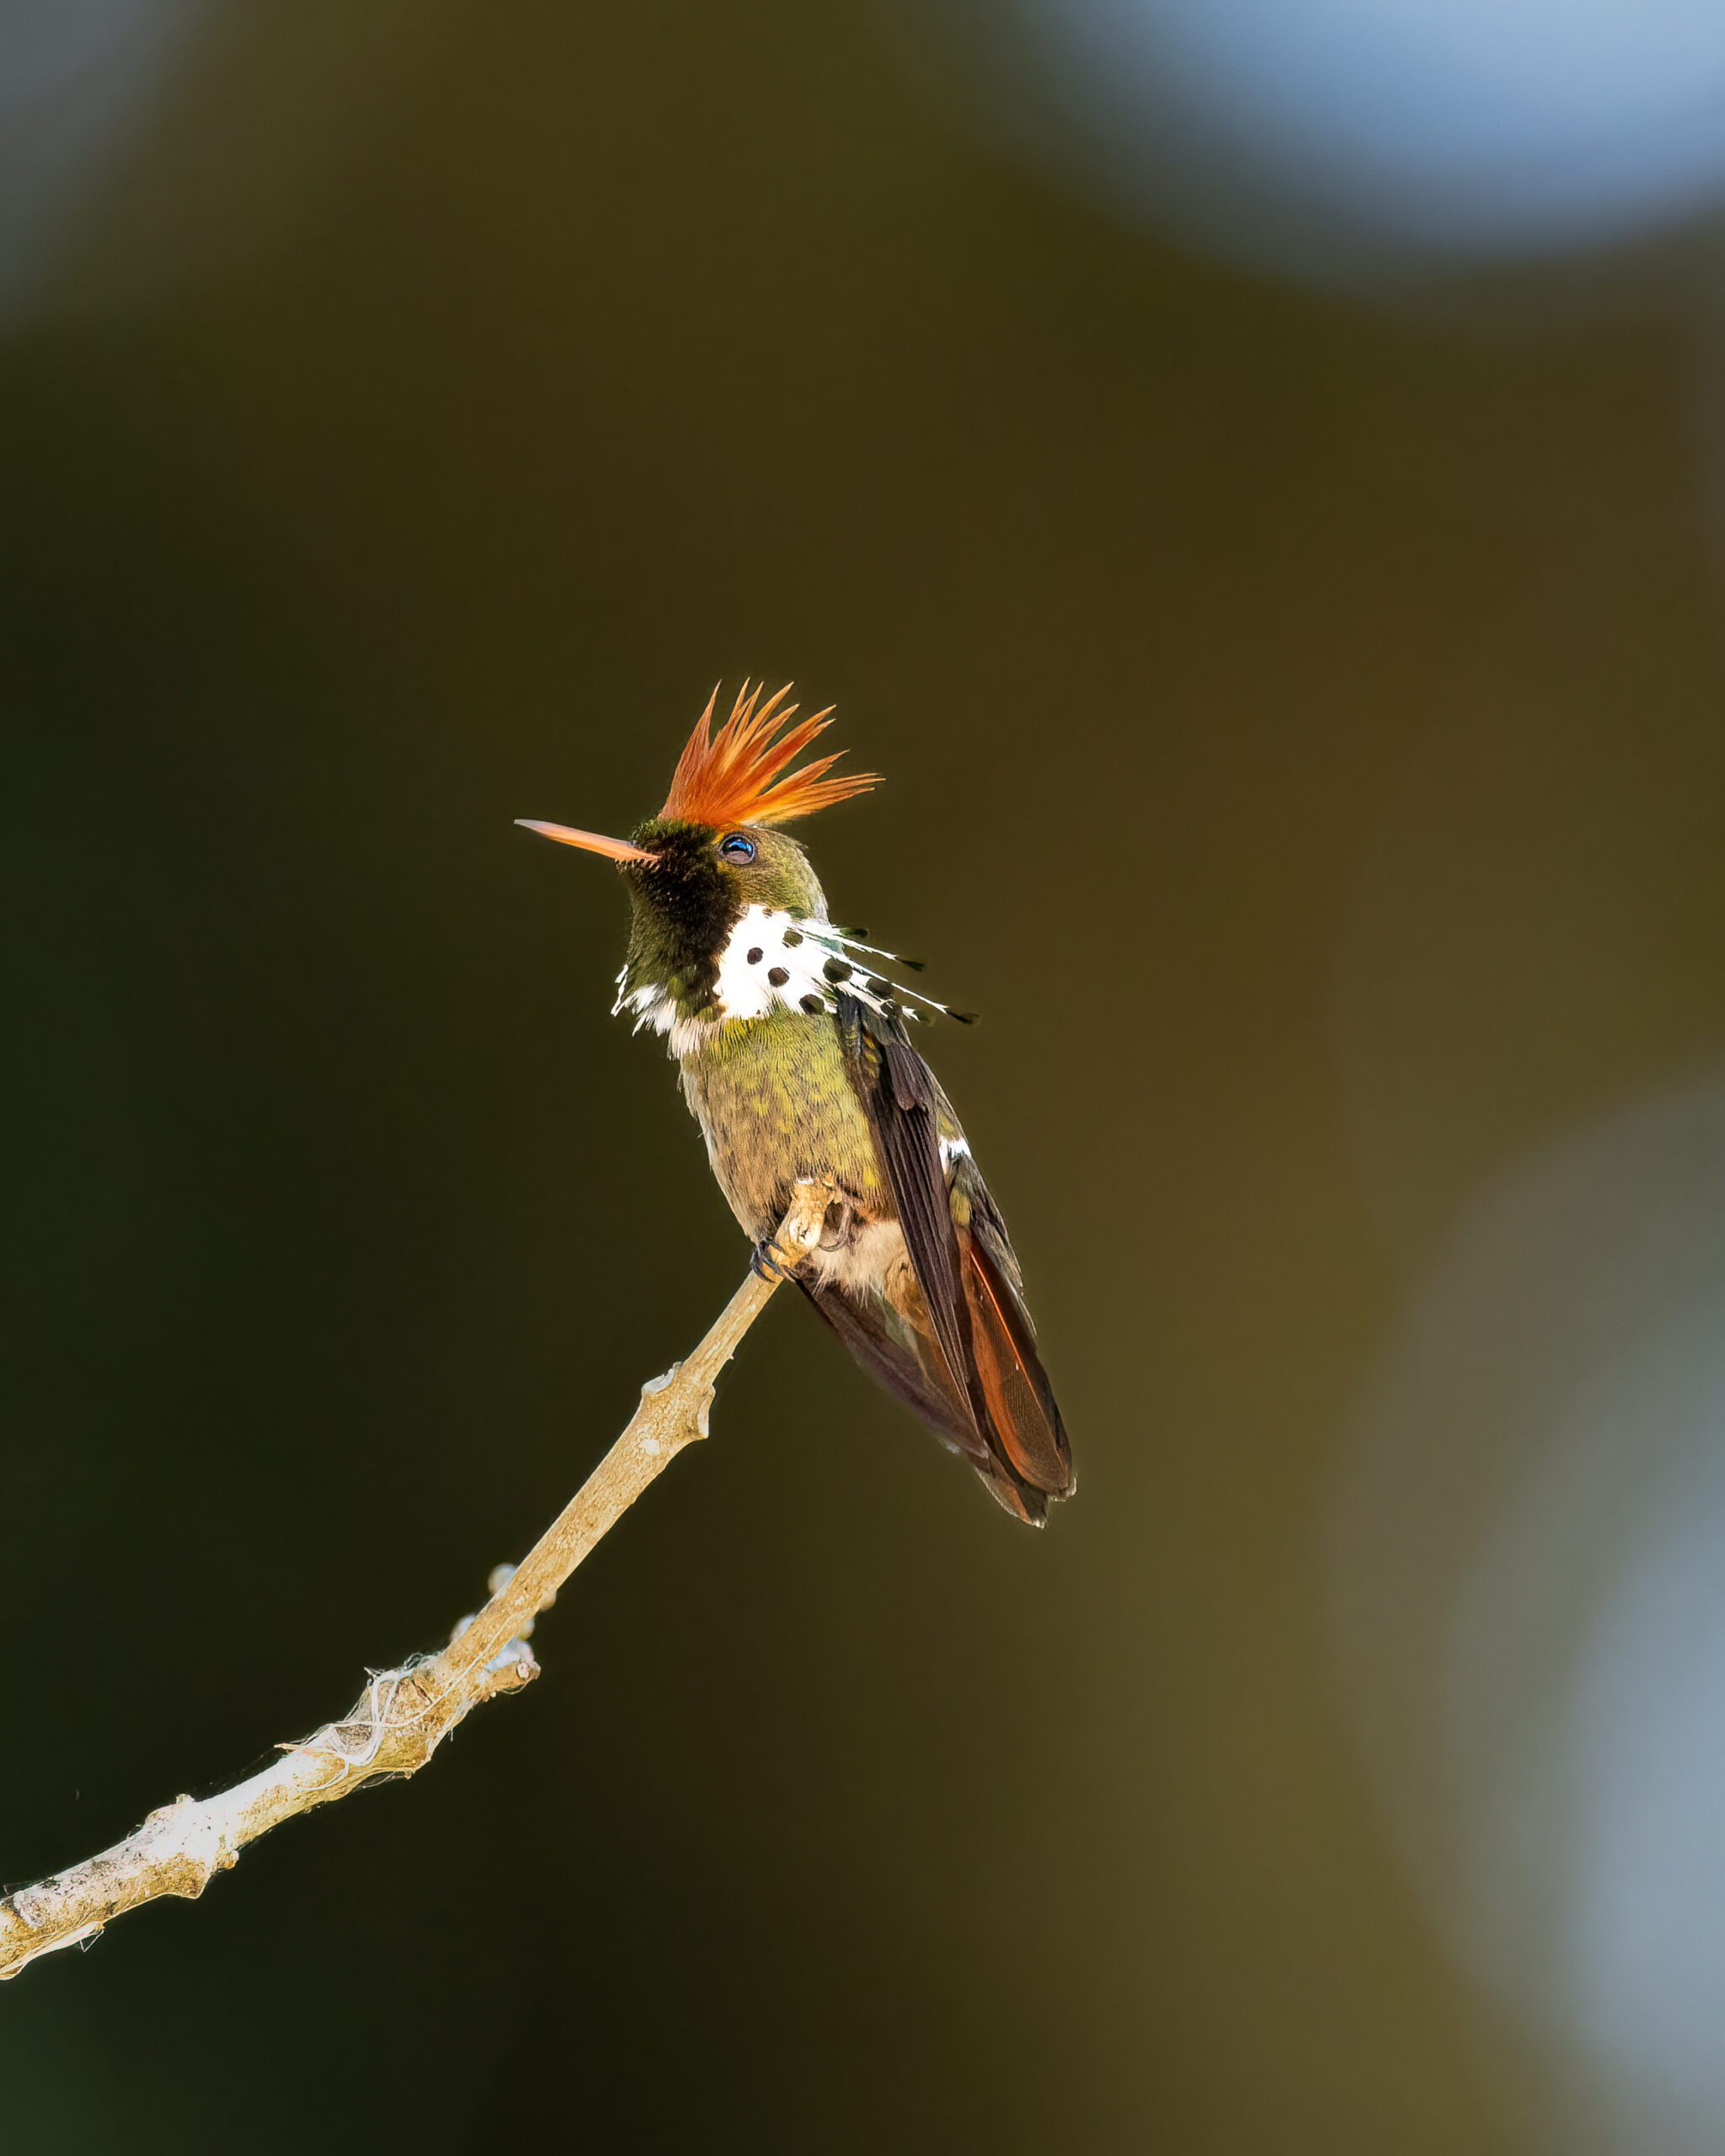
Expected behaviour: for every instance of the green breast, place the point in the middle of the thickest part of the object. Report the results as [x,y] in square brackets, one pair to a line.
[776,1102]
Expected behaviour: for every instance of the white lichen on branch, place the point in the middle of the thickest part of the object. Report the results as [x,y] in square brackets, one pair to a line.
[404,1713]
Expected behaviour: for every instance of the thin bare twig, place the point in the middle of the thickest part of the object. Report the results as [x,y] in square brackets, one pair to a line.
[406,1712]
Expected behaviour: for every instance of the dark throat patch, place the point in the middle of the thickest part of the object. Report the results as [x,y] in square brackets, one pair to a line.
[686,907]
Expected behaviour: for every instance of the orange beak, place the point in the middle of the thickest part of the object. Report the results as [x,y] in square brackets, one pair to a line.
[589,842]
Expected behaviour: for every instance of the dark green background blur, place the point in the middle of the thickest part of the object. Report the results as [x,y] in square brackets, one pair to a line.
[433,401]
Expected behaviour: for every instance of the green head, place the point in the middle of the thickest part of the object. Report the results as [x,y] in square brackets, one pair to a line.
[695,884]
[729,922]
[713,861]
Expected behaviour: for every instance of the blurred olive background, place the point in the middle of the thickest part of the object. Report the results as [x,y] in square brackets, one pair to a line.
[1298,673]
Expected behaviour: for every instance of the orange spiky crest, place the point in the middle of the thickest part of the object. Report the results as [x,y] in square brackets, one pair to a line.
[739,775]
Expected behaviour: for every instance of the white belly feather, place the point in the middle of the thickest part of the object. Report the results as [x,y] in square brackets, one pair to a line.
[863,1260]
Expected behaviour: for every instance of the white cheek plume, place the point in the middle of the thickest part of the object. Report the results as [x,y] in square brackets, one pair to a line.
[773,960]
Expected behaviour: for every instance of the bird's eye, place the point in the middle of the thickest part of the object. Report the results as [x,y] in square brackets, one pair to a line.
[737,848]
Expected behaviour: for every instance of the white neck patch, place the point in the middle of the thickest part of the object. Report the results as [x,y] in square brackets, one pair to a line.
[773,960]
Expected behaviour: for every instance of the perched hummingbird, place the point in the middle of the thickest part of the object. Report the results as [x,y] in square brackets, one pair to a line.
[793,1044]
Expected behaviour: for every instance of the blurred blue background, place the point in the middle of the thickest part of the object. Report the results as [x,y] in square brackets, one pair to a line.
[1358,140]
[1251,476]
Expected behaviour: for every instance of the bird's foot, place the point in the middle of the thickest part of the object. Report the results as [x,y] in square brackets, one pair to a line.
[773,1261]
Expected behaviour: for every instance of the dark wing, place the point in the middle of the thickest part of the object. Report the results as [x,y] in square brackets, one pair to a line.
[867,1329]
[902,1102]
[968,1278]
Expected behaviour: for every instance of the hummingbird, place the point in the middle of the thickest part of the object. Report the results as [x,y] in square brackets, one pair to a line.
[792,1038]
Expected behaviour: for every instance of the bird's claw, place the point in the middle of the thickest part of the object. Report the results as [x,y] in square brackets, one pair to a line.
[835,1225]
[771,1262]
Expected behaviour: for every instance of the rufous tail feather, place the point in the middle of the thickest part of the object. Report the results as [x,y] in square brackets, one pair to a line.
[1026,1432]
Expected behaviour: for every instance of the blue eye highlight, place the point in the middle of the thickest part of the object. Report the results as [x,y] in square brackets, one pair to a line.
[736,848]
